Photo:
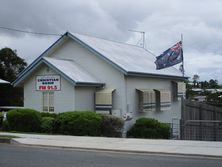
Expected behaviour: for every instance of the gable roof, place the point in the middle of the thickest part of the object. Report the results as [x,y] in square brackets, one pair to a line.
[128,59]
[68,69]
[73,71]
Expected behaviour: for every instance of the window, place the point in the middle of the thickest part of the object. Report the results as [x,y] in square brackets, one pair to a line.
[154,100]
[104,101]
[147,100]
[48,101]
[165,100]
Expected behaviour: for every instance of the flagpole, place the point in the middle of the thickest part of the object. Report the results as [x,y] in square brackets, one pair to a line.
[183,71]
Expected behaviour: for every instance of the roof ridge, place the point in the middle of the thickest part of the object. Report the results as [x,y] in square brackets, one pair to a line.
[92,36]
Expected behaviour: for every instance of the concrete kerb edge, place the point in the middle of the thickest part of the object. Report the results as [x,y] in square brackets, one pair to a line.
[117,150]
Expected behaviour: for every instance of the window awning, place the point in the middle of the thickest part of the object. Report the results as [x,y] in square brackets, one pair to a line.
[144,90]
[104,100]
[164,98]
[180,87]
[109,90]
[147,100]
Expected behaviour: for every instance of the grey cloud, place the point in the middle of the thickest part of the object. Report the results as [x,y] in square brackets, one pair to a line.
[163,21]
[56,17]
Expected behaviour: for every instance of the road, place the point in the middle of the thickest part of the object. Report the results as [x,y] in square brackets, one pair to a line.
[24,156]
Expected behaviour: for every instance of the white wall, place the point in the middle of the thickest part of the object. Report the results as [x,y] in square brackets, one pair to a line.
[102,70]
[133,83]
[64,100]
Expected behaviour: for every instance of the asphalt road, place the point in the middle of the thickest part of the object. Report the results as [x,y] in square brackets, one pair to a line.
[24,156]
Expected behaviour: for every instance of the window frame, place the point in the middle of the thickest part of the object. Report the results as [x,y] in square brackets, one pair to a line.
[48,100]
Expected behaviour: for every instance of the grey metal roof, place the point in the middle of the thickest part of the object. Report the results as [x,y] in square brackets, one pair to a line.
[130,58]
[73,71]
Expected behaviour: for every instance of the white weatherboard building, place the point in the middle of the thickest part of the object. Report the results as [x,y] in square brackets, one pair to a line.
[81,72]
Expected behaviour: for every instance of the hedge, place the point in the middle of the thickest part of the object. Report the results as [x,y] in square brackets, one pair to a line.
[47,124]
[48,114]
[111,126]
[149,128]
[68,123]
[24,120]
[79,123]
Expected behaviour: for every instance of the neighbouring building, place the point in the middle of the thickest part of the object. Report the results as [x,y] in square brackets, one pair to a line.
[4,82]
[80,72]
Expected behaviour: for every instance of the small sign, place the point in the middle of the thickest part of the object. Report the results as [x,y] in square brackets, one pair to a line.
[48,82]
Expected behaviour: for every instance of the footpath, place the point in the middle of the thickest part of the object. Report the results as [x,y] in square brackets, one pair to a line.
[157,146]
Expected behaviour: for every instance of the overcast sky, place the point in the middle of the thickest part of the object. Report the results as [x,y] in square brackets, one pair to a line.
[200,22]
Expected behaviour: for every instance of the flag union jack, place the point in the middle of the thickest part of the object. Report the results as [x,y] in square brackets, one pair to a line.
[170,57]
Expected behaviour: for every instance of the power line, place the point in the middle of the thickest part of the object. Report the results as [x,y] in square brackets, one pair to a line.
[29,32]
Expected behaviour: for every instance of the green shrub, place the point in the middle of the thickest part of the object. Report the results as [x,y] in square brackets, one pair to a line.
[47,114]
[47,124]
[5,125]
[149,128]
[79,123]
[111,126]
[24,120]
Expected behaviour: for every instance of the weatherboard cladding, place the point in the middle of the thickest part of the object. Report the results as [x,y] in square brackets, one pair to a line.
[129,59]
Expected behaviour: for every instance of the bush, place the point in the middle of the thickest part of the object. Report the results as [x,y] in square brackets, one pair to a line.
[111,126]
[149,128]
[5,125]
[24,120]
[47,114]
[47,124]
[79,123]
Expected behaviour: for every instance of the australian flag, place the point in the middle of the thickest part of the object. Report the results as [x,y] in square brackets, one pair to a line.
[170,57]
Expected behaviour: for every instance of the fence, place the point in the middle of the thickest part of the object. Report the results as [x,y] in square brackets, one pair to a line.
[201,121]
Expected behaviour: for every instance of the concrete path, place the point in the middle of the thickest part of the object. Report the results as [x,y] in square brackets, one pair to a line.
[181,147]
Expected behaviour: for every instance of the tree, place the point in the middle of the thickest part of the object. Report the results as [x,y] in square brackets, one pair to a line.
[10,66]
[213,84]
[204,84]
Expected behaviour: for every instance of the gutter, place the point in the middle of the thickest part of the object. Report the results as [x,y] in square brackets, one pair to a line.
[138,74]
